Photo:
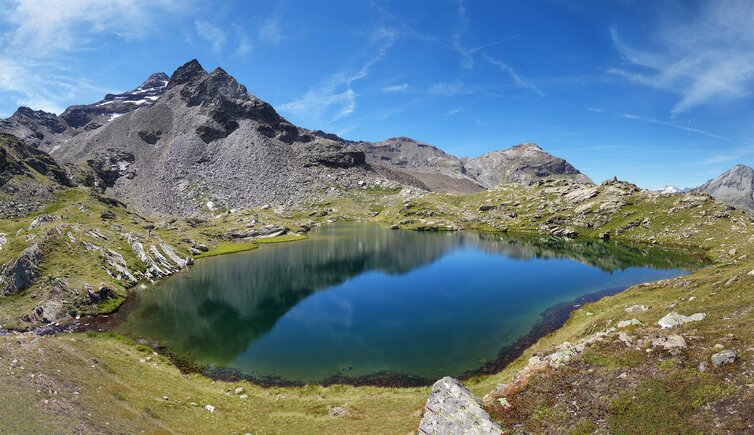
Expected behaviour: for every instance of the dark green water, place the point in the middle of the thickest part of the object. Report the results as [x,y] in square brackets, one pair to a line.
[358,299]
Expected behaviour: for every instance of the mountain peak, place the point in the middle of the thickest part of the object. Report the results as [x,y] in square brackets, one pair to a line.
[734,186]
[186,73]
[155,81]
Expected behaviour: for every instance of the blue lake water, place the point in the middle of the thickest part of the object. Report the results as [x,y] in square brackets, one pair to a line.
[359,300]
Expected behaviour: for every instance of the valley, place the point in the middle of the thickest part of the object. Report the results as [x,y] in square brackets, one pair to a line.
[114,200]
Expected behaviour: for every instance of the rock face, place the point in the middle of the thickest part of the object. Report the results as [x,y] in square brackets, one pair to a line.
[452,409]
[734,187]
[443,172]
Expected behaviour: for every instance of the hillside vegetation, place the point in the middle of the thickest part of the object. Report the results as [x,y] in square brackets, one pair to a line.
[635,379]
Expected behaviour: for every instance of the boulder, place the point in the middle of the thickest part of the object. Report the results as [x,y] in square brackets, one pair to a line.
[669,342]
[725,357]
[627,323]
[20,273]
[674,319]
[452,409]
[636,309]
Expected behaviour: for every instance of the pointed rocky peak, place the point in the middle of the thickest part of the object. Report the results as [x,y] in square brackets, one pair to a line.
[188,72]
[155,81]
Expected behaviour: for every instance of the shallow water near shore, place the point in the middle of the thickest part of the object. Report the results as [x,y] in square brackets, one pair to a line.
[360,301]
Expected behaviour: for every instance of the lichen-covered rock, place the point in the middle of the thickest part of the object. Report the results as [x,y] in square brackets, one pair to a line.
[452,409]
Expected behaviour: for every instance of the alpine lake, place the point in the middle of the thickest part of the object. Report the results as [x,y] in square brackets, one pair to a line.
[360,303]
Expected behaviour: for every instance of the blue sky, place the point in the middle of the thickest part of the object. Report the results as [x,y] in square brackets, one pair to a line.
[652,92]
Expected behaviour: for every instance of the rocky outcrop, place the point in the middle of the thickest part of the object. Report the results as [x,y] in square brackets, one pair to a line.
[734,187]
[20,273]
[452,409]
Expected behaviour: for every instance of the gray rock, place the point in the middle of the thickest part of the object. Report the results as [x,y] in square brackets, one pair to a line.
[627,323]
[452,409]
[669,342]
[636,309]
[725,357]
[674,319]
[20,273]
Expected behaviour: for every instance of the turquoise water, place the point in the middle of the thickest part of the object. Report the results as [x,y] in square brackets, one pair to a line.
[358,300]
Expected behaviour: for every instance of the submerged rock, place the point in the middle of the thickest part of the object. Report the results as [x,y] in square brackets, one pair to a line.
[452,409]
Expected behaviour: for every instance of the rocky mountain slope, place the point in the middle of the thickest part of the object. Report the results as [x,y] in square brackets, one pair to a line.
[205,144]
[28,177]
[734,187]
[47,131]
[443,172]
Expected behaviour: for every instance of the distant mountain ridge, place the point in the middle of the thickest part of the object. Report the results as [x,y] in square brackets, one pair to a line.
[175,144]
[443,172]
[734,186]
[669,188]
[45,130]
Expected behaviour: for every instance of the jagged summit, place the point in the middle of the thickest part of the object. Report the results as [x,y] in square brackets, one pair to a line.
[734,186]
[187,72]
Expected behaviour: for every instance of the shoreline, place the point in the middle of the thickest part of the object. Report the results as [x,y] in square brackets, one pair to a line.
[552,319]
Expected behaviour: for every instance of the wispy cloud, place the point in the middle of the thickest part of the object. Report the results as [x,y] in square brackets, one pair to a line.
[271,31]
[517,78]
[335,98]
[40,36]
[403,87]
[676,126]
[210,33]
[708,59]
[447,88]
[452,112]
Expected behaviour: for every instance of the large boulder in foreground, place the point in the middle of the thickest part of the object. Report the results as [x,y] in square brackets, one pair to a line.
[452,409]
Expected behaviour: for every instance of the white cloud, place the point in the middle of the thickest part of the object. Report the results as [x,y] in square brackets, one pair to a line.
[39,36]
[403,87]
[676,126]
[210,33]
[334,98]
[707,59]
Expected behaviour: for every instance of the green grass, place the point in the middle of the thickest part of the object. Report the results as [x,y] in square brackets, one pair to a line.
[665,405]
